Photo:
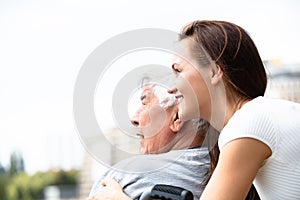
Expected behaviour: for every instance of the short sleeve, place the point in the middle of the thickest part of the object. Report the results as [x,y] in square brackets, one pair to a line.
[253,120]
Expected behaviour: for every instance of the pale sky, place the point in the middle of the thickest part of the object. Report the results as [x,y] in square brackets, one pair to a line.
[44,43]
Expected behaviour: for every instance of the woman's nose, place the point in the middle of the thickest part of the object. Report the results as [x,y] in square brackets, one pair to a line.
[173,91]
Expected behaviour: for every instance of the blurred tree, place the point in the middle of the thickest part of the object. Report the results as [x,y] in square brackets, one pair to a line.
[26,187]
[4,179]
[66,177]
[18,187]
[16,163]
[2,169]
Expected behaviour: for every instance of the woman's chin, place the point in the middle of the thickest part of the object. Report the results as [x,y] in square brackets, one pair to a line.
[181,114]
[189,115]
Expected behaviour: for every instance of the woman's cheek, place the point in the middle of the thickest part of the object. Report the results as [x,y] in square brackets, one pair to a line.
[190,104]
[188,111]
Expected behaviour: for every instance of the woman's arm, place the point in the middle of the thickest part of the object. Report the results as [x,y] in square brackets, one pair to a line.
[238,164]
[111,191]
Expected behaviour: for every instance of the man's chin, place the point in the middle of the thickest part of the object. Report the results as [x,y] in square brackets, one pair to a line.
[143,150]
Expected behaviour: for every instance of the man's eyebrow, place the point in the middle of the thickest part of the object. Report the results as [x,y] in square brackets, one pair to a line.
[143,96]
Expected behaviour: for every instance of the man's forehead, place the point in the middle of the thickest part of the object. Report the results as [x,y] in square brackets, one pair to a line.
[147,90]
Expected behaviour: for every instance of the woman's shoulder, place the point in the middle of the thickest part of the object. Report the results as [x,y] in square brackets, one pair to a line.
[264,108]
[263,119]
[254,120]
[267,103]
[252,112]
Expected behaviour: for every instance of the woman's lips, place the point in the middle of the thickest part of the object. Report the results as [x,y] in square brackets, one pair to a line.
[179,97]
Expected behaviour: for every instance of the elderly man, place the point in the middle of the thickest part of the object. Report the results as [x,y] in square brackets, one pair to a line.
[177,156]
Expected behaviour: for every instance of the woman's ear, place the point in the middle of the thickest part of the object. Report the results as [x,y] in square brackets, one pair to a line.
[175,123]
[217,74]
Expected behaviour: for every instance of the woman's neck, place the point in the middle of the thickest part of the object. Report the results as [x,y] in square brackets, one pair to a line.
[234,105]
[223,109]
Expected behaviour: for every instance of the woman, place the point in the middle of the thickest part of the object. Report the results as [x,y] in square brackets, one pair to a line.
[221,78]
[259,136]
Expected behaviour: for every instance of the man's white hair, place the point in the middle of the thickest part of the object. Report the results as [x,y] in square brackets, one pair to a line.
[160,90]
[165,99]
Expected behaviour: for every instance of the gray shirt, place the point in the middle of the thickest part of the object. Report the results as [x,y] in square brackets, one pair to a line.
[183,168]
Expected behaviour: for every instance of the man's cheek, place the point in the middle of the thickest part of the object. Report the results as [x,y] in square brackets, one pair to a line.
[157,119]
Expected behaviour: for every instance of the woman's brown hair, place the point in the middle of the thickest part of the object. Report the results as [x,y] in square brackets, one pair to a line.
[233,50]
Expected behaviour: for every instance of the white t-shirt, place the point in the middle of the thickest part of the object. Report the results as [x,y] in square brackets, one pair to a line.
[276,123]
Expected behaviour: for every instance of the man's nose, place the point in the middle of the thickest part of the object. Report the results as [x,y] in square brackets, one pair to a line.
[135,120]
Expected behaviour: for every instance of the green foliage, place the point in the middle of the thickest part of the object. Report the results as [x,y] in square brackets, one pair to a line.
[4,179]
[25,187]
[16,184]
[19,187]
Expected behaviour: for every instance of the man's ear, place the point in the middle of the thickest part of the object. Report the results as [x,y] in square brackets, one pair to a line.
[217,74]
[175,124]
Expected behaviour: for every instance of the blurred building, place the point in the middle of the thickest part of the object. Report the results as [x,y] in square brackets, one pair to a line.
[91,168]
[63,151]
[284,82]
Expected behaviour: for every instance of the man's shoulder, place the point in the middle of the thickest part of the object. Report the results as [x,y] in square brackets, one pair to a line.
[153,162]
[142,171]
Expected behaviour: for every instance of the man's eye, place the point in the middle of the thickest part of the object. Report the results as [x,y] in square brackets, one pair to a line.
[143,97]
